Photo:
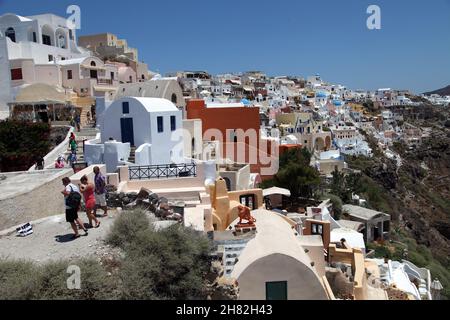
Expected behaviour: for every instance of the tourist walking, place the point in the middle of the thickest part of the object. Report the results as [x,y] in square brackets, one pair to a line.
[73,144]
[40,163]
[100,191]
[72,159]
[77,122]
[60,164]
[72,198]
[87,189]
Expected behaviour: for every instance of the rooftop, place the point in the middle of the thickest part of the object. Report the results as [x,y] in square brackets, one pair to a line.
[274,236]
[362,213]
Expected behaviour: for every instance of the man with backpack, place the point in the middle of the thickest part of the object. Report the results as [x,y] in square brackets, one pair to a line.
[72,197]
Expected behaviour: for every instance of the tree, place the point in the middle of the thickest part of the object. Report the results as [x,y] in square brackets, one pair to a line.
[344,186]
[296,174]
[21,143]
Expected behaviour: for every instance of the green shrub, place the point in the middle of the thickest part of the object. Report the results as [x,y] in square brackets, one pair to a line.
[126,228]
[95,284]
[23,280]
[166,264]
[417,259]
[19,280]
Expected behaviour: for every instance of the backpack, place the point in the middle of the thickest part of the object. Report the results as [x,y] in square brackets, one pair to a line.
[73,199]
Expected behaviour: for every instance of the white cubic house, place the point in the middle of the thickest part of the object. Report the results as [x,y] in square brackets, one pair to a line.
[152,125]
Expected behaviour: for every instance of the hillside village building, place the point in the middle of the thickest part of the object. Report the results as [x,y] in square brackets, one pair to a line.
[108,46]
[237,128]
[31,48]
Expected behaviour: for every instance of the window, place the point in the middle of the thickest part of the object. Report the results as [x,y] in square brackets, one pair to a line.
[316,229]
[11,33]
[69,74]
[50,57]
[125,107]
[131,79]
[112,75]
[46,40]
[160,124]
[276,290]
[248,201]
[70,34]
[173,123]
[63,58]
[16,74]
[34,37]
[174,98]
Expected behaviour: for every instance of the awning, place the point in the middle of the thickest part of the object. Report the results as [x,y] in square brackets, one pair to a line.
[104,88]
[276,190]
[41,93]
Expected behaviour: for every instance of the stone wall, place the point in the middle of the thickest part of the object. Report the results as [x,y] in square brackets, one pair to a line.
[43,201]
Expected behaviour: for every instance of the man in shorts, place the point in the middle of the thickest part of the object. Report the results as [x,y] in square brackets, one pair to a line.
[100,192]
[72,213]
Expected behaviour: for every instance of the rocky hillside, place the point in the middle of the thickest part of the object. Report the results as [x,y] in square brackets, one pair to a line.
[416,195]
[442,92]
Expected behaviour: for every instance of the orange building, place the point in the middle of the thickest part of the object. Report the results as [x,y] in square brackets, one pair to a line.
[227,121]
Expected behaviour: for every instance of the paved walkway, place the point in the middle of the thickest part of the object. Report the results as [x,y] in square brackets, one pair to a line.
[51,240]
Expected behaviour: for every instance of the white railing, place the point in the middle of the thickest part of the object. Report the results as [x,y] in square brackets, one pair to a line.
[50,158]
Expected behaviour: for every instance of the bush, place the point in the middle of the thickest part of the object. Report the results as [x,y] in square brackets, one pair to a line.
[95,283]
[19,280]
[126,228]
[22,280]
[167,264]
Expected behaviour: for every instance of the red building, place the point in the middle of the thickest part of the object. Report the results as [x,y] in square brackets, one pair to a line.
[237,128]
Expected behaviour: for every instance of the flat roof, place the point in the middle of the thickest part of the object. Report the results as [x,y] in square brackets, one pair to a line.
[362,213]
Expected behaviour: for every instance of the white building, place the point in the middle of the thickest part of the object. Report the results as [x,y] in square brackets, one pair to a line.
[150,124]
[29,46]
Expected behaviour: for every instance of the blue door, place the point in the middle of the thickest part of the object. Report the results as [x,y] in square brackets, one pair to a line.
[126,127]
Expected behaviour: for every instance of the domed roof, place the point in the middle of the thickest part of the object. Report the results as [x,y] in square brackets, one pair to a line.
[321,94]
[337,102]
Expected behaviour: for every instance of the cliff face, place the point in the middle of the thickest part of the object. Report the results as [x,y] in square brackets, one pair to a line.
[417,194]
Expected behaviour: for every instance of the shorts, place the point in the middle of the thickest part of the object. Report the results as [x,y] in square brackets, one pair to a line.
[100,199]
[71,215]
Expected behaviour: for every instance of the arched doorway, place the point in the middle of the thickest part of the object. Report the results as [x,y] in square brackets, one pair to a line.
[61,40]
[48,36]
[11,34]
[93,72]
[319,144]
[174,98]
[228,183]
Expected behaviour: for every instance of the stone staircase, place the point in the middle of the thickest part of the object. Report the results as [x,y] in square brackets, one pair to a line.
[132,157]
[86,133]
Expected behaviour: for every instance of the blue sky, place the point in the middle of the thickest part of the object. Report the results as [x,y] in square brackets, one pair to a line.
[283,37]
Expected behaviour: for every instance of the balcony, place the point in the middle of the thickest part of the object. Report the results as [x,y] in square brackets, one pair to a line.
[105,82]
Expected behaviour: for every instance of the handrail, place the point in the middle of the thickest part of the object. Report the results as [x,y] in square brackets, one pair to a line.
[163,171]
